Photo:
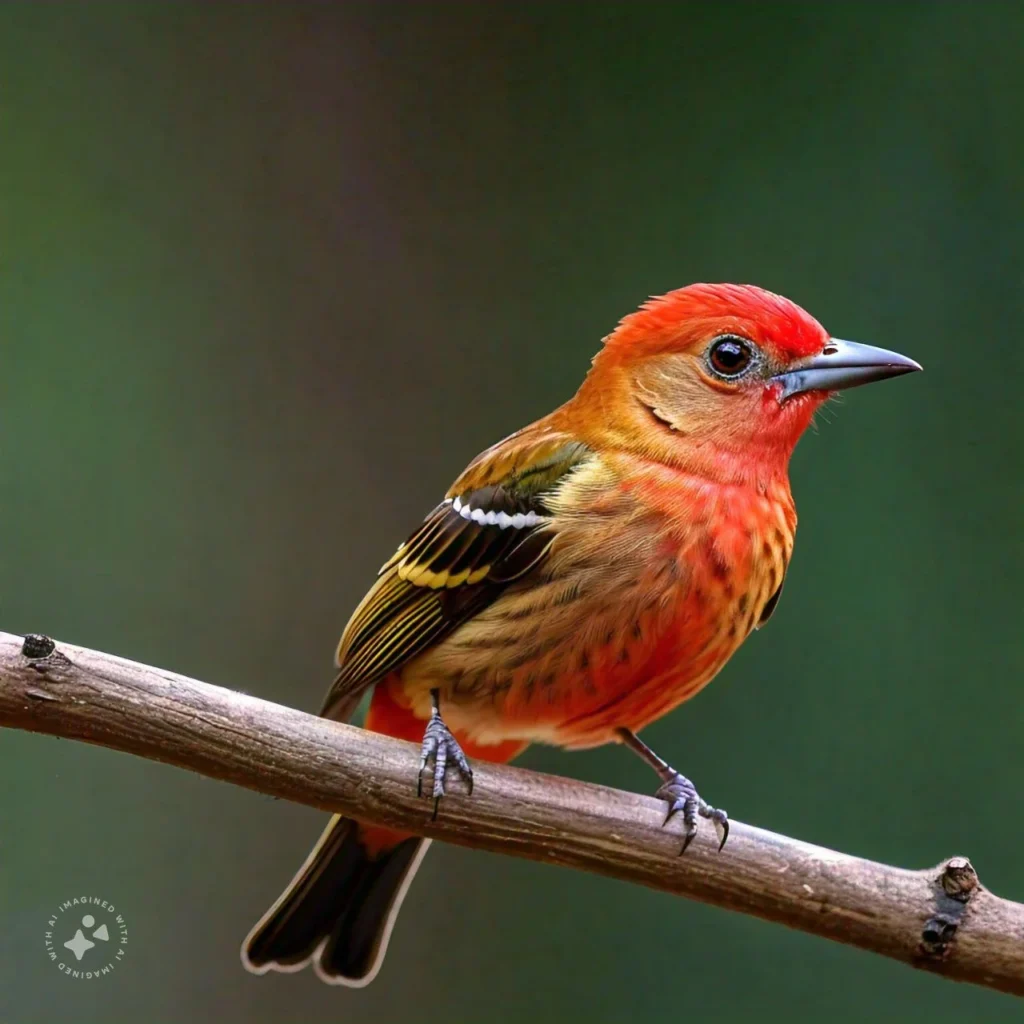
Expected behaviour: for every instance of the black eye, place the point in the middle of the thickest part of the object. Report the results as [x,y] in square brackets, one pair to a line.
[730,356]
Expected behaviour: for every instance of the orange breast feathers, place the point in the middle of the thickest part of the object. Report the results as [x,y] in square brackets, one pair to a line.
[654,579]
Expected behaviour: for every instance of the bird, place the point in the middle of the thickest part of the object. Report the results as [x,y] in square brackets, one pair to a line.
[580,579]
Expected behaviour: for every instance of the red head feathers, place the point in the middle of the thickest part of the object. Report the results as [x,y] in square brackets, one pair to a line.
[682,317]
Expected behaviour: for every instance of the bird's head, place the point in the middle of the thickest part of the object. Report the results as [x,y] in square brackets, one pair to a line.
[731,369]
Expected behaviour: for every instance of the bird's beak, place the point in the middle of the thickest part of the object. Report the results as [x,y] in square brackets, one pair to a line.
[843,364]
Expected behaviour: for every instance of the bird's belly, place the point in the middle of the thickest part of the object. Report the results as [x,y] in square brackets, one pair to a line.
[563,664]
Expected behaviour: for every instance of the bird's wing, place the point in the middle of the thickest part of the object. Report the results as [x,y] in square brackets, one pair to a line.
[492,527]
[770,604]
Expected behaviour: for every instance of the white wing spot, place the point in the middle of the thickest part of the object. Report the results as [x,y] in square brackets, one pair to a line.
[500,519]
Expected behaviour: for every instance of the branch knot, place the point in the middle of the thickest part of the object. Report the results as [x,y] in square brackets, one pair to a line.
[939,931]
[959,879]
[37,645]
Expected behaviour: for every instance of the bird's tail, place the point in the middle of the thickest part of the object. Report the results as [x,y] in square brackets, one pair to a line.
[340,907]
[338,911]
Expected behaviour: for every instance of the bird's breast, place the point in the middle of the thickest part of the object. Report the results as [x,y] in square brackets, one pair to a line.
[647,593]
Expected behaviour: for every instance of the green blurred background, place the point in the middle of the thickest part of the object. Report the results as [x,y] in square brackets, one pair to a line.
[272,274]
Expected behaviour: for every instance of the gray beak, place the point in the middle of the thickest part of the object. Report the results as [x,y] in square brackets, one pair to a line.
[843,364]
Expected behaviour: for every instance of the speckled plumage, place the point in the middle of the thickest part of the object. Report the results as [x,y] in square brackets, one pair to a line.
[633,609]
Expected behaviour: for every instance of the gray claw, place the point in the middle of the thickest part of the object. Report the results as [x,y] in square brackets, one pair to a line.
[682,795]
[440,744]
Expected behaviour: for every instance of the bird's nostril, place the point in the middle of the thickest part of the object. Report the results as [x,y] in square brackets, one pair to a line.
[829,350]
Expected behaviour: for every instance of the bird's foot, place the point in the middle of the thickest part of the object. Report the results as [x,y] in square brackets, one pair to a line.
[441,745]
[682,795]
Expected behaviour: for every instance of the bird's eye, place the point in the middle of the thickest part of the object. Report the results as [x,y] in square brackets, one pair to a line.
[730,356]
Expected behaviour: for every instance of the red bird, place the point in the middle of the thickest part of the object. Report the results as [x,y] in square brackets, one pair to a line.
[579,580]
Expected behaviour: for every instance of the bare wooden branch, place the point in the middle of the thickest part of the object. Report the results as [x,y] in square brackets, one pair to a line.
[941,919]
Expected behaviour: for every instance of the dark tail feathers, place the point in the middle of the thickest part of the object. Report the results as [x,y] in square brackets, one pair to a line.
[338,910]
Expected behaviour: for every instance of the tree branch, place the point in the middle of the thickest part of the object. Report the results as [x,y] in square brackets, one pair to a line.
[941,919]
